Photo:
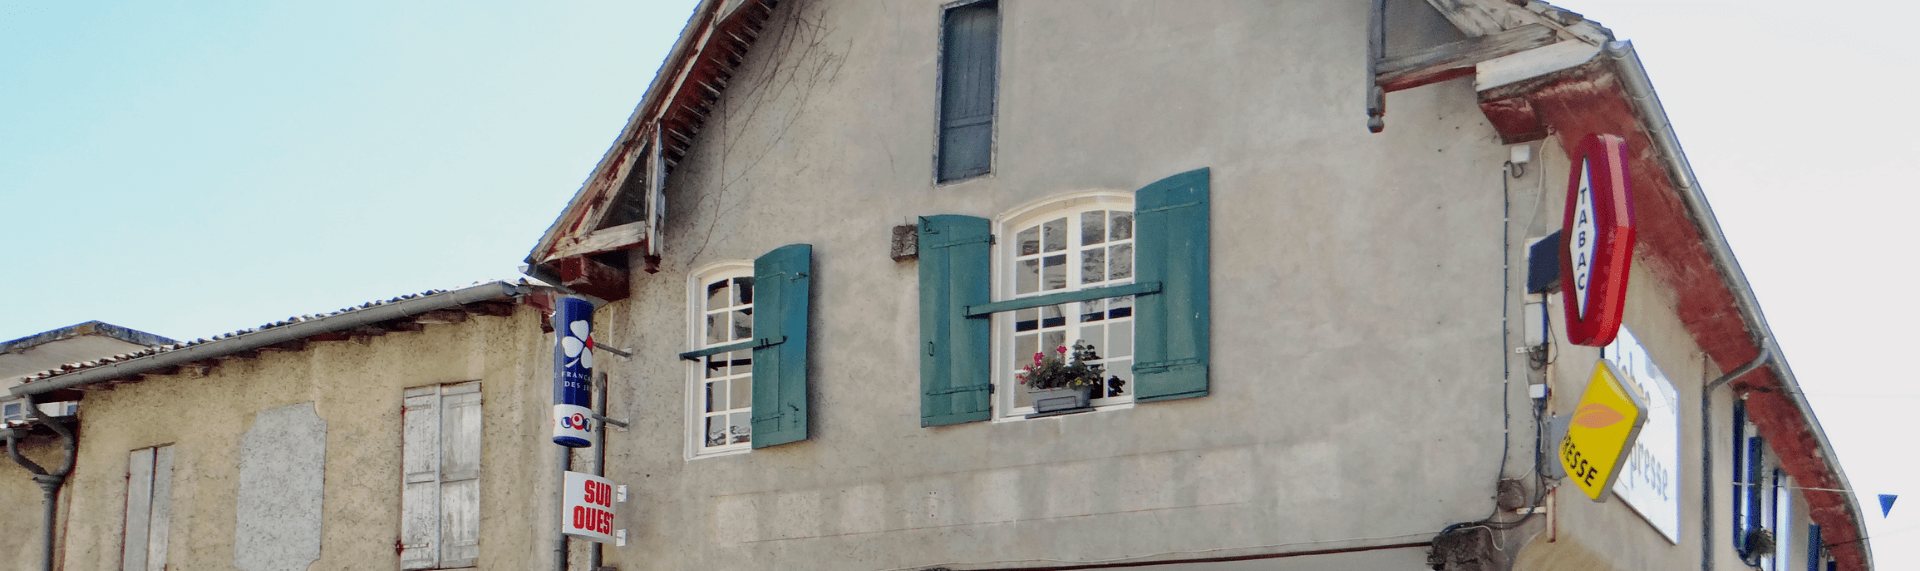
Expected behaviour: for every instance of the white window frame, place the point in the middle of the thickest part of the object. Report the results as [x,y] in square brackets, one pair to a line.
[13,411]
[696,371]
[1005,287]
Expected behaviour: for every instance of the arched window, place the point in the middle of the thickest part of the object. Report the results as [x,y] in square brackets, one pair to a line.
[1068,244]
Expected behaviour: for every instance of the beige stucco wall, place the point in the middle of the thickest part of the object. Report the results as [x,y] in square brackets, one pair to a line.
[22,502]
[1357,342]
[355,386]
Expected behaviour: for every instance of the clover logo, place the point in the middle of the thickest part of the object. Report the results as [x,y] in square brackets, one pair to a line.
[578,344]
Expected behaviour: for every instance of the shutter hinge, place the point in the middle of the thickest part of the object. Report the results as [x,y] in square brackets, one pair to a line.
[990,389]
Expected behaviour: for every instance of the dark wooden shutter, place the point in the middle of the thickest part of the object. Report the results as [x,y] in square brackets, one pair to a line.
[969,63]
[1171,328]
[781,280]
[955,265]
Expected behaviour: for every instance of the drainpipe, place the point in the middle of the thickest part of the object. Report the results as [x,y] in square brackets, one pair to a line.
[50,482]
[559,500]
[599,465]
[1706,452]
[1666,145]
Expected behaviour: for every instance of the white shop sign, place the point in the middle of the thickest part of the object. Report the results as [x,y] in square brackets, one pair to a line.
[588,510]
[1650,481]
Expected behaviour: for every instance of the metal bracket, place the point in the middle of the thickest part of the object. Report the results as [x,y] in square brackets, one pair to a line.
[621,353]
[620,538]
[615,422]
[620,493]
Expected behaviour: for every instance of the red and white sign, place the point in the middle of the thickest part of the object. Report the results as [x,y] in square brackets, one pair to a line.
[588,510]
[1598,235]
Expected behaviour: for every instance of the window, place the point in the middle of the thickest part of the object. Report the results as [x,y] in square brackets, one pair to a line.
[1070,271]
[440,491]
[747,384]
[723,390]
[149,507]
[969,64]
[1782,520]
[1076,244]
[13,412]
[1756,504]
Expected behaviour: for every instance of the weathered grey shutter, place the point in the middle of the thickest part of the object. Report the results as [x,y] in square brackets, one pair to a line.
[1171,328]
[420,488]
[133,547]
[460,475]
[160,514]
[969,62]
[781,280]
[955,261]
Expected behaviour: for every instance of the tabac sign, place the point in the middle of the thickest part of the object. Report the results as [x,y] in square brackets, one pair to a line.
[1598,233]
[1603,430]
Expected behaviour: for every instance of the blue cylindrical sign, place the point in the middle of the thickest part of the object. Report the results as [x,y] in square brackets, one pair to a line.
[573,373]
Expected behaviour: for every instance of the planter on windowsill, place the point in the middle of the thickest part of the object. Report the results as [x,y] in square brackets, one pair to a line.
[1066,400]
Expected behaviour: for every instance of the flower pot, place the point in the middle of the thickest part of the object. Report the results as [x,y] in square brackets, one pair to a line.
[1056,400]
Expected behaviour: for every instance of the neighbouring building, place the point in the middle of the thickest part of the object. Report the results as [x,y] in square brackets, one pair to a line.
[1299,235]
[38,443]
[406,433]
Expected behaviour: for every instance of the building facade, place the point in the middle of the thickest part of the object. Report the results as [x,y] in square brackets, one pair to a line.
[1297,233]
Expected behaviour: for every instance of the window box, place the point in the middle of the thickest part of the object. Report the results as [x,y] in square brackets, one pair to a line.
[1050,402]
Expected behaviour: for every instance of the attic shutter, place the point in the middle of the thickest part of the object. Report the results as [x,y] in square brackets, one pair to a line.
[420,488]
[1170,241]
[781,280]
[460,475]
[969,62]
[955,261]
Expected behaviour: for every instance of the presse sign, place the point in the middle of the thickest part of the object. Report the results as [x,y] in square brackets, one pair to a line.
[1603,429]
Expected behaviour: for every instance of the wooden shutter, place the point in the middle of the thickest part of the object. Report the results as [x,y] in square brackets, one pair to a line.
[781,280]
[460,475]
[969,62]
[420,487]
[955,265]
[160,512]
[1171,327]
[133,547]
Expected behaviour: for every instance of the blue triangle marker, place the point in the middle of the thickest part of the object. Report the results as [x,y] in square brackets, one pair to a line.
[1886,503]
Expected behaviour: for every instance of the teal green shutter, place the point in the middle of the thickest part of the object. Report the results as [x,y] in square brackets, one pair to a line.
[955,263]
[1170,245]
[780,283]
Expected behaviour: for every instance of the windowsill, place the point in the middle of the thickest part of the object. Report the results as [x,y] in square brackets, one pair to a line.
[720,453]
[1020,417]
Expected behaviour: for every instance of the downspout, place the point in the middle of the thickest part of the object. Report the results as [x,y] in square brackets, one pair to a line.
[1653,117]
[1706,453]
[599,465]
[50,482]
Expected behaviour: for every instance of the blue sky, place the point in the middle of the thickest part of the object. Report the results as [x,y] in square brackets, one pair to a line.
[192,168]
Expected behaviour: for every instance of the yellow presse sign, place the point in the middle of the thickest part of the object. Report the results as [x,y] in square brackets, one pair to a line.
[1604,425]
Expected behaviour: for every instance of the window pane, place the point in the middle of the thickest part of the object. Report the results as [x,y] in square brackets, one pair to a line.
[1029,241]
[1119,341]
[743,288]
[1055,272]
[743,324]
[1026,320]
[717,430]
[716,328]
[1027,276]
[716,396]
[1052,341]
[1093,336]
[716,365]
[1119,307]
[1054,234]
[742,361]
[1093,265]
[1022,398]
[716,295]
[1052,316]
[741,395]
[1093,227]
[1093,310]
[740,425]
[1024,348]
[1119,377]
[1122,226]
[1120,262]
